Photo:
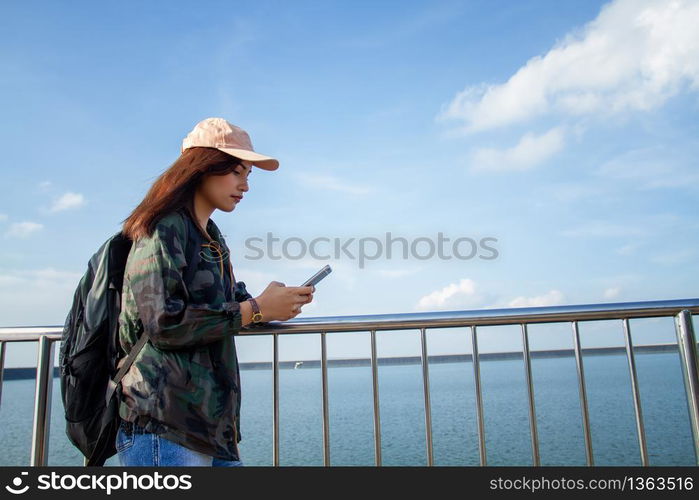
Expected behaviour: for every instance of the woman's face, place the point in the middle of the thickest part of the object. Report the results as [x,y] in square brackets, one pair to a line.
[225,191]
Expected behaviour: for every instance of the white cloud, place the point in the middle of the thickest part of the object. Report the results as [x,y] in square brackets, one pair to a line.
[67,202]
[612,292]
[634,56]
[45,185]
[455,295]
[327,182]
[552,298]
[3,217]
[23,229]
[529,151]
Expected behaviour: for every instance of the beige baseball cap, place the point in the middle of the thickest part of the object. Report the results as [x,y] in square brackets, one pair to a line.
[218,133]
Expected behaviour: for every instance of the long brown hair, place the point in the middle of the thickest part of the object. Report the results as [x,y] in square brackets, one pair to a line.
[175,188]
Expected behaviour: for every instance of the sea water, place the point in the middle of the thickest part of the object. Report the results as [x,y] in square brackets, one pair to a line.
[453,414]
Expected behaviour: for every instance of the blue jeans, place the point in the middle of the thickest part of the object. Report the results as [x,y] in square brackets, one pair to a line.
[137,447]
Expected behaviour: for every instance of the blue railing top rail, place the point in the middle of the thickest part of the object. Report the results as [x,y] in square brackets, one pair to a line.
[435,319]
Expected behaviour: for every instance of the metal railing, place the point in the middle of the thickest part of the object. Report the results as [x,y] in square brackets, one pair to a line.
[681,310]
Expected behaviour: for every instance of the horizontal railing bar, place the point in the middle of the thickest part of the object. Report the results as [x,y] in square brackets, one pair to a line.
[19,336]
[515,315]
[446,319]
[31,329]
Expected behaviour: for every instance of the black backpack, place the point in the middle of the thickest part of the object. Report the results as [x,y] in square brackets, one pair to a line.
[90,351]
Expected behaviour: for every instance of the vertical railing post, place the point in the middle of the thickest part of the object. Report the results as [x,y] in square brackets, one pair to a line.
[640,429]
[42,403]
[583,394]
[530,393]
[2,366]
[687,345]
[275,401]
[326,417]
[479,396]
[426,390]
[375,386]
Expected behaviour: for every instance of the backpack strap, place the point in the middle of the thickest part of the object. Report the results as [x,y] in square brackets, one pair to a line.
[191,254]
[191,268]
[112,384]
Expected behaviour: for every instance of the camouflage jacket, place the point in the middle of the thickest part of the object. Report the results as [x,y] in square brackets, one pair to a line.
[185,382]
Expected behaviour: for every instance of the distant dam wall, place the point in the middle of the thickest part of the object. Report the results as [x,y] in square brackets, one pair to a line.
[30,372]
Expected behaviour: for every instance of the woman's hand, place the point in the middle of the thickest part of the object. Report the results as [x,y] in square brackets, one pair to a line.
[281,302]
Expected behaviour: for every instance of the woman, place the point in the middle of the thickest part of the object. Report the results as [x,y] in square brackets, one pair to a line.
[180,400]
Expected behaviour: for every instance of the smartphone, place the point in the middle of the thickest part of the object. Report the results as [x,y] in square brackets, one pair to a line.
[313,280]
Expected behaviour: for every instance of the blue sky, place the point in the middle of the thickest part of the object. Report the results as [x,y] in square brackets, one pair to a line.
[566,131]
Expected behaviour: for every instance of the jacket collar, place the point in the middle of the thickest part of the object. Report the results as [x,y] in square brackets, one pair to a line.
[211,226]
